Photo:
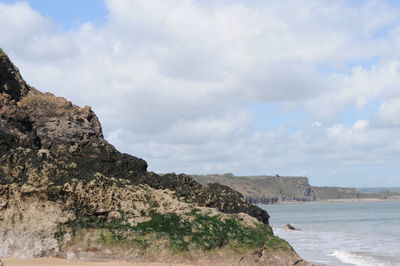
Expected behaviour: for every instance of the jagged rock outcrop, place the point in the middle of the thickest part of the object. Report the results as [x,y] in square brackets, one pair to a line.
[11,81]
[63,188]
[39,129]
[213,195]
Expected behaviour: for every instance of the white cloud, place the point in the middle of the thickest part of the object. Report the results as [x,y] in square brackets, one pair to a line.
[357,88]
[361,125]
[388,114]
[171,80]
[25,25]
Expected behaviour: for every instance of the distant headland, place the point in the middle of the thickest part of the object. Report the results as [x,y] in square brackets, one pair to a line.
[283,189]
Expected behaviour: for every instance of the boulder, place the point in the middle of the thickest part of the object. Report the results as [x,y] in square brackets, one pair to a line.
[290,227]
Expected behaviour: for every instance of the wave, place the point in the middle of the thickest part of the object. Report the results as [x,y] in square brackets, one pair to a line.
[364,259]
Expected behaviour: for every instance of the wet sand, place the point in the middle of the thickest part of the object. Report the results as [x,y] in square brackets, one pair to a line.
[64,262]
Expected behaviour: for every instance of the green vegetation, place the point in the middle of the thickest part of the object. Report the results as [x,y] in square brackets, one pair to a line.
[380,195]
[276,243]
[376,190]
[192,231]
[2,52]
[205,232]
[59,235]
[324,193]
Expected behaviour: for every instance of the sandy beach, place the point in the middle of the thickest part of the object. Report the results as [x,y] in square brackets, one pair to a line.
[64,262]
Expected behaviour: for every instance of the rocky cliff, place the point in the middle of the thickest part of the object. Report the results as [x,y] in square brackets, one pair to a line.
[324,193]
[276,189]
[264,189]
[64,190]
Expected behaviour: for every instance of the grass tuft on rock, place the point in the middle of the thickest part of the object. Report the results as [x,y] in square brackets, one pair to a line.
[276,243]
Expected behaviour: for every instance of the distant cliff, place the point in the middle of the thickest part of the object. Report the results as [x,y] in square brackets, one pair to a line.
[264,189]
[324,193]
[275,189]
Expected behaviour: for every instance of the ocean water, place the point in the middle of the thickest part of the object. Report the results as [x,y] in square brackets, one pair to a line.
[341,233]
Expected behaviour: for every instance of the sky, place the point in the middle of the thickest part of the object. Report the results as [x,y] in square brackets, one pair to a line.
[303,88]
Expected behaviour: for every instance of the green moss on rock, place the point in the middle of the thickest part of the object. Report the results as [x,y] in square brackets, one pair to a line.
[276,243]
[191,231]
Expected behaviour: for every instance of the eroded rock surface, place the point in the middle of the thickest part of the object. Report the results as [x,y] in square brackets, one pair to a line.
[44,133]
[62,184]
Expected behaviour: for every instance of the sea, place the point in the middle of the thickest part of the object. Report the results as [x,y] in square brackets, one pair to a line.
[341,233]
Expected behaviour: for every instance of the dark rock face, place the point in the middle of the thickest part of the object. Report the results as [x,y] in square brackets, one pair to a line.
[231,201]
[11,81]
[46,139]
[214,195]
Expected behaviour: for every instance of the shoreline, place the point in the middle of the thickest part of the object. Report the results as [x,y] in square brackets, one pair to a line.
[51,261]
[332,201]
